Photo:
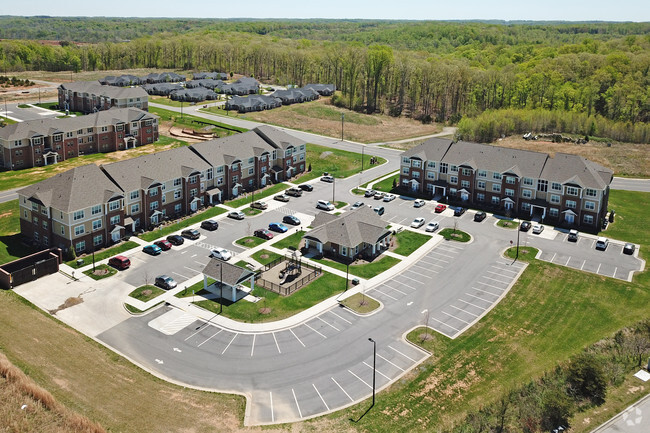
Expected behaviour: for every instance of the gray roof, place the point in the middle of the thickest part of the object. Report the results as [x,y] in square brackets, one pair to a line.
[162,89]
[210,75]
[566,168]
[296,95]
[196,94]
[75,189]
[322,89]
[122,80]
[95,88]
[232,274]
[225,150]
[147,170]
[46,127]
[431,150]
[350,229]
[277,137]
[253,102]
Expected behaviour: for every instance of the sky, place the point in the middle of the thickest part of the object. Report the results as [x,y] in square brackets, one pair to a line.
[538,10]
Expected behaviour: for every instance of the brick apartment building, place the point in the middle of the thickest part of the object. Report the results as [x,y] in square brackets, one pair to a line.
[566,189]
[40,142]
[92,96]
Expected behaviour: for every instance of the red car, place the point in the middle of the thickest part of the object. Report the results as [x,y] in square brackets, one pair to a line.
[440,208]
[163,244]
[263,233]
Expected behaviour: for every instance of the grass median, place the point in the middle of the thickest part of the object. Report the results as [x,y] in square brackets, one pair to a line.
[102,254]
[163,231]
[291,242]
[408,241]
[366,270]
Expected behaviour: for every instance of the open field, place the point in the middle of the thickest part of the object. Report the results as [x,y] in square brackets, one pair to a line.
[11,247]
[320,117]
[339,163]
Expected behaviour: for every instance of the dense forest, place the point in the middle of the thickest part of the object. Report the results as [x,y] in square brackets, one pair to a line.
[431,71]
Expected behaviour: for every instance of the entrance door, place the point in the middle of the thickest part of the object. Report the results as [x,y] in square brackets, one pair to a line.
[508,205]
[569,217]
[115,236]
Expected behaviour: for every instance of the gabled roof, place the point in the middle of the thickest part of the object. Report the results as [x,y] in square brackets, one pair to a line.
[350,229]
[231,274]
[278,138]
[225,150]
[112,92]
[566,168]
[75,189]
[431,150]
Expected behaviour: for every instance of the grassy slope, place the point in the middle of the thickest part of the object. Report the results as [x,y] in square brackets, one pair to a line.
[11,247]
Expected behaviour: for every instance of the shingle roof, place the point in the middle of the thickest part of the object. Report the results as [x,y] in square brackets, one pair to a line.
[350,229]
[225,150]
[95,88]
[574,169]
[431,150]
[277,137]
[232,274]
[75,189]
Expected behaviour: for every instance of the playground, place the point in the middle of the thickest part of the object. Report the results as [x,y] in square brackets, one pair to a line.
[287,275]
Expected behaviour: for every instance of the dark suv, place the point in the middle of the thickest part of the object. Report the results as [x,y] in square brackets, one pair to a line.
[191,234]
[210,225]
[175,240]
[480,216]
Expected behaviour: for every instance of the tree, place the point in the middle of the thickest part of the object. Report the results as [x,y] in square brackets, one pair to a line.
[557,408]
[587,378]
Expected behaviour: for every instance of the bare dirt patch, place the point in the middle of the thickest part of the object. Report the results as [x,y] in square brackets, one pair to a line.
[70,302]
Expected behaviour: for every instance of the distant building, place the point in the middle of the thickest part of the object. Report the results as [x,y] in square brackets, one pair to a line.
[91,96]
[322,89]
[297,95]
[246,104]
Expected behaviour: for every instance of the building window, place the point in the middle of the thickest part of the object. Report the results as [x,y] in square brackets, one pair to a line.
[480,184]
[467,172]
[193,192]
[177,181]
[96,209]
[44,224]
[429,187]
[135,208]
[431,175]
[590,205]
[555,199]
[234,167]
[571,190]
[46,241]
[164,198]
[431,164]
[235,179]
[134,195]
[525,207]
[34,207]
[98,240]
[528,181]
[77,215]
[556,186]
[153,192]
[453,168]
[80,246]
[220,169]
[526,193]
[35,220]
[153,205]
[416,175]
[63,230]
[406,160]
[443,167]
[571,204]
[177,208]
[496,187]
[495,200]
[405,170]
[482,173]
[590,192]
[220,179]
[496,176]
[79,230]
[114,205]
[115,220]
[36,236]
[510,192]
[510,180]
[193,179]
[251,171]
[464,183]
[97,224]
[416,163]
[480,197]
[453,179]
[177,194]
[344,251]
[588,219]
[44,210]
[553,212]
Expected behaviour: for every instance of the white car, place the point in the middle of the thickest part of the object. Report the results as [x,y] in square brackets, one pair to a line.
[221,254]
[417,223]
[538,228]
[356,205]
[236,214]
[389,197]
[601,243]
[324,205]
[432,226]
[418,203]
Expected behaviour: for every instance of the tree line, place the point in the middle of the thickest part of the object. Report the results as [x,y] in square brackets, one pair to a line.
[597,70]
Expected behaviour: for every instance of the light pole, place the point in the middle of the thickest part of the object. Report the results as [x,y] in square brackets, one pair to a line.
[426,324]
[363,148]
[181,108]
[374,368]
[342,121]
[333,189]
[220,287]
[518,230]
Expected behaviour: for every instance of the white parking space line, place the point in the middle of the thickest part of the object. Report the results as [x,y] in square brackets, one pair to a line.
[209,338]
[272,414]
[553,258]
[454,317]
[598,270]
[370,367]
[193,270]
[448,250]
[296,400]
[485,291]
[504,270]
[615,269]
[430,264]
[444,324]
[276,342]
[391,363]
[328,324]
[567,261]
[388,296]
[494,279]
[403,285]
[465,311]
[321,397]
[409,278]
[233,339]
[498,274]
[425,268]
[443,255]
[490,285]
[344,392]
[253,346]
[405,356]
[180,275]
[307,325]
[453,247]
[294,334]
[473,305]
[345,320]
[399,291]
[479,298]
[363,381]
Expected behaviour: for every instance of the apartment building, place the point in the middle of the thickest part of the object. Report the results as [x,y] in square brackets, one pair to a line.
[41,142]
[92,207]
[566,189]
[92,96]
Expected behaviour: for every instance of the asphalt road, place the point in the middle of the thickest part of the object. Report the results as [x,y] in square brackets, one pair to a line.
[634,419]
[13,112]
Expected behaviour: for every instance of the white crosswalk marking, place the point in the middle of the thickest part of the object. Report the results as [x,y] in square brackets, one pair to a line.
[177,324]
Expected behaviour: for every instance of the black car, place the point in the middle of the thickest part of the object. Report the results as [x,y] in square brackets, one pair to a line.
[525,226]
[291,219]
[629,248]
[459,211]
[480,216]
[306,187]
[210,225]
[294,192]
[191,234]
[175,240]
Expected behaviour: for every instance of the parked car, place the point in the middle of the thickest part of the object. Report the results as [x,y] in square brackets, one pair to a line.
[459,211]
[236,214]
[525,226]
[294,192]
[165,282]
[479,216]
[281,197]
[601,243]
[573,235]
[379,209]
[278,227]
[306,187]
[291,219]
[324,205]
[379,195]
[191,234]
[432,226]
[328,179]
[419,203]
[369,193]
[356,205]
[221,254]
[538,228]
[629,248]
[119,262]
[259,205]
[152,249]
[163,244]
[389,197]
[440,208]
[210,225]
[175,240]
[263,233]
[417,223]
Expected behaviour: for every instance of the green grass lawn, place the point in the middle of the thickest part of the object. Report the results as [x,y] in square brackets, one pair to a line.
[408,241]
[457,235]
[7,121]
[11,246]
[386,185]
[507,224]
[165,230]
[338,163]
[361,303]
[103,254]
[366,270]
[340,204]
[194,289]
[249,211]
[194,122]
[110,271]
[146,293]
[525,253]
[250,241]
[291,241]
[376,186]
[280,306]
[259,195]
[265,257]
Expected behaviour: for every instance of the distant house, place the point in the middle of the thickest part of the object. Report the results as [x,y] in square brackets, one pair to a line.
[208,83]
[91,96]
[322,89]
[360,233]
[197,94]
[122,81]
[161,89]
[245,104]
[163,77]
[292,96]
[243,86]
[210,75]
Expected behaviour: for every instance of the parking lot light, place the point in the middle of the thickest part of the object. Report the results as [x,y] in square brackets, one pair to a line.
[374,368]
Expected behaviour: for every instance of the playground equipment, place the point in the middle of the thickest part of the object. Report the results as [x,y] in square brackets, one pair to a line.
[292,269]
